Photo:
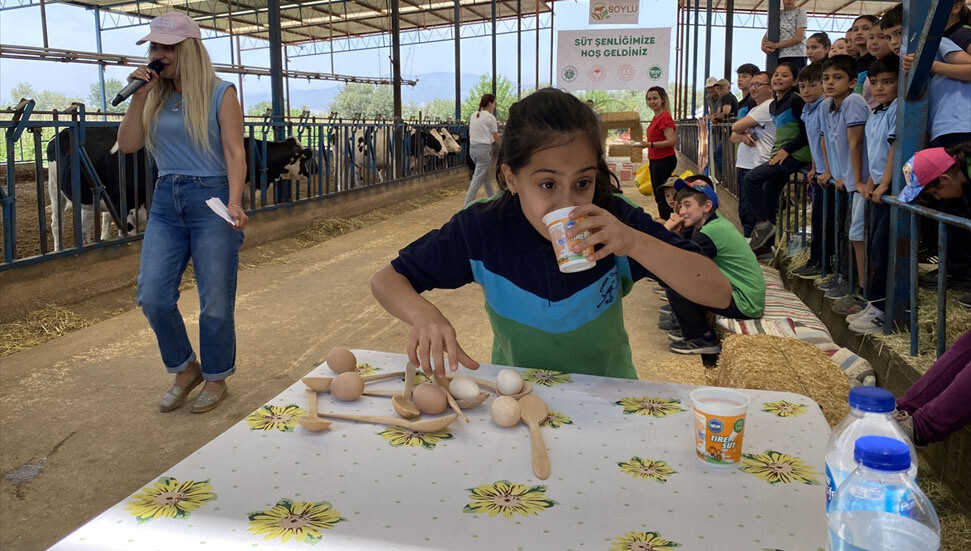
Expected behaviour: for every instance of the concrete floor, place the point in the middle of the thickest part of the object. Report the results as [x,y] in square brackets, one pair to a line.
[79,428]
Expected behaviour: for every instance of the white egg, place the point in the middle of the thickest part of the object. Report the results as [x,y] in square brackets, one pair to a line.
[505,411]
[509,381]
[463,388]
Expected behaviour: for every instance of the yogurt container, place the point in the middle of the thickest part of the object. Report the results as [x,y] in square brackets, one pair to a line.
[719,425]
[558,222]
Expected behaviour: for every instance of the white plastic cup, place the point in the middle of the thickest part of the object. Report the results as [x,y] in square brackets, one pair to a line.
[558,222]
[719,425]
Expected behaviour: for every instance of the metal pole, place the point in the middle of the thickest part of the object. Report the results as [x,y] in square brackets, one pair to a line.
[519,49]
[242,106]
[43,22]
[276,67]
[286,66]
[729,32]
[101,67]
[493,47]
[694,63]
[772,33]
[396,57]
[676,91]
[537,45]
[707,72]
[457,38]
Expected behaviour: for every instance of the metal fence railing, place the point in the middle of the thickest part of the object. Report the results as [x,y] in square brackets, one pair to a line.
[335,156]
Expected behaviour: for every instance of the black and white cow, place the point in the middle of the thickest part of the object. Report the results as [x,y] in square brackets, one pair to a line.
[284,160]
[102,148]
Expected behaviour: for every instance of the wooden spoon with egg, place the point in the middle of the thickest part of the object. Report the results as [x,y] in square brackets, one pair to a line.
[443,382]
[527,388]
[322,384]
[402,404]
[423,425]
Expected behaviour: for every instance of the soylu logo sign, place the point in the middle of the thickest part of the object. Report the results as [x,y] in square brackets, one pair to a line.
[614,12]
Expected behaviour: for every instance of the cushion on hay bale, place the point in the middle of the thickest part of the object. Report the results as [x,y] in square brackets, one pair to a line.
[763,362]
[857,369]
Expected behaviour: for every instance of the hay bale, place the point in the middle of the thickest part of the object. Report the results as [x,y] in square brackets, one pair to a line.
[618,150]
[763,362]
[673,368]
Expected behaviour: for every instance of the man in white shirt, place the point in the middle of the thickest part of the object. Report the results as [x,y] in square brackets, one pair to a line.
[755,135]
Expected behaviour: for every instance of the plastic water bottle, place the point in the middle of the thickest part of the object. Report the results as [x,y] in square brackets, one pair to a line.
[880,507]
[870,414]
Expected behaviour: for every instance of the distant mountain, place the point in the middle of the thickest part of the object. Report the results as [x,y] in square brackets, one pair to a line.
[429,87]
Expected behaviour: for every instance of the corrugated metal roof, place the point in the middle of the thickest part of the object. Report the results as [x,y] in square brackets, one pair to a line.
[315,20]
[844,8]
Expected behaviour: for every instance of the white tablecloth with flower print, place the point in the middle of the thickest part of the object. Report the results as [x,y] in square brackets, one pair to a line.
[624,477]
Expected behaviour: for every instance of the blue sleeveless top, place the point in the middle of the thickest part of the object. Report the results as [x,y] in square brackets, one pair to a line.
[174,151]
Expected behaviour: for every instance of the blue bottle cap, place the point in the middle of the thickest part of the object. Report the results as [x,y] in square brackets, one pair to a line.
[872,399]
[882,453]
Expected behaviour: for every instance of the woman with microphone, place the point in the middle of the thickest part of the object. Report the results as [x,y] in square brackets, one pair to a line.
[191,123]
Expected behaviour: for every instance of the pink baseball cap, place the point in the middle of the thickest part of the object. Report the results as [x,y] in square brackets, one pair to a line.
[923,168]
[171,28]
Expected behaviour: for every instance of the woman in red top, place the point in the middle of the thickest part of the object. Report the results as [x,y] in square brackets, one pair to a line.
[660,145]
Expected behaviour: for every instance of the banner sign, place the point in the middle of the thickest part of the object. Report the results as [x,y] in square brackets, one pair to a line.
[623,59]
[614,12]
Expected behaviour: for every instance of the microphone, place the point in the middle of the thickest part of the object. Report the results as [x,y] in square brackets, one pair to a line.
[135,84]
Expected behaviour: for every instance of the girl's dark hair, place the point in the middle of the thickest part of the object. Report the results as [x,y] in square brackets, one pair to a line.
[964,16]
[792,69]
[484,102]
[660,91]
[962,156]
[871,18]
[822,38]
[548,118]
[893,17]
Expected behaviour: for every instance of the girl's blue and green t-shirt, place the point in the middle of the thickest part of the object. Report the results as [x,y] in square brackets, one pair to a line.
[541,318]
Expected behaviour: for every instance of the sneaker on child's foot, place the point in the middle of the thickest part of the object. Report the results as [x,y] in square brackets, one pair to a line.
[659,290]
[906,424]
[663,297]
[850,318]
[965,300]
[838,291]
[761,234]
[849,305]
[869,324]
[824,284]
[667,323]
[809,271]
[706,344]
[675,334]
[666,309]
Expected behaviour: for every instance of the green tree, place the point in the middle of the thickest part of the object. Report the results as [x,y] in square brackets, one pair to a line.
[369,101]
[112,87]
[44,100]
[258,109]
[439,108]
[505,96]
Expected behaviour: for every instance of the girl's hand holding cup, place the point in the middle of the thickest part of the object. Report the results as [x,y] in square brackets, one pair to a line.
[605,229]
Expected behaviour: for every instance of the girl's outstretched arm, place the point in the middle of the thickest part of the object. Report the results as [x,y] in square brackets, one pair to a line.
[691,275]
[432,335]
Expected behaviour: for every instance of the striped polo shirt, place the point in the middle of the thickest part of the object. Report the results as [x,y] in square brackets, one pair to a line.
[541,318]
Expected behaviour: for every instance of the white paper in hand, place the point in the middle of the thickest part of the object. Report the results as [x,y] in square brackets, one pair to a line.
[217,206]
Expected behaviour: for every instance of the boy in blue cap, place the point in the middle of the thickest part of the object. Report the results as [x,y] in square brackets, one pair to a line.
[722,242]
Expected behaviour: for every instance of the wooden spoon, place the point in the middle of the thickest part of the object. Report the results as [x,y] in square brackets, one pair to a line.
[424,425]
[312,422]
[322,384]
[527,387]
[402,404]
[534,411]
[469,403]
[443,382]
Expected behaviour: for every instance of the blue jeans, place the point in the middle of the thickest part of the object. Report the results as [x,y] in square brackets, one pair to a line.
[181,226]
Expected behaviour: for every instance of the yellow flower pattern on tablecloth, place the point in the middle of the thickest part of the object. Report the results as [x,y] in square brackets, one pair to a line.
[555,420]
[775,467]
[782,408]
[169,498]
[397,436]
[365,369]
[545,377]
[270,417]
[652,406]
[648,469]
[420,377]
[303,521]
[642,541]
[508,499]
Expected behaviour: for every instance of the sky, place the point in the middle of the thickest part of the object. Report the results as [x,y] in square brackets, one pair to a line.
[72,27]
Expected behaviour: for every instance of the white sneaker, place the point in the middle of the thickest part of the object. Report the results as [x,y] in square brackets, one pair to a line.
[853,317]
[868,324]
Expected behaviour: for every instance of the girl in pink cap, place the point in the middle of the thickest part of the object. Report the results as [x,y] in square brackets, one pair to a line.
[192,125]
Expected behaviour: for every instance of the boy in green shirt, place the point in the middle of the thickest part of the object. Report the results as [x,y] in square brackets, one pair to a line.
[720,241]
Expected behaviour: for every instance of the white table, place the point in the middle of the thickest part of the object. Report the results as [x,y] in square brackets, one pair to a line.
[384,496]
